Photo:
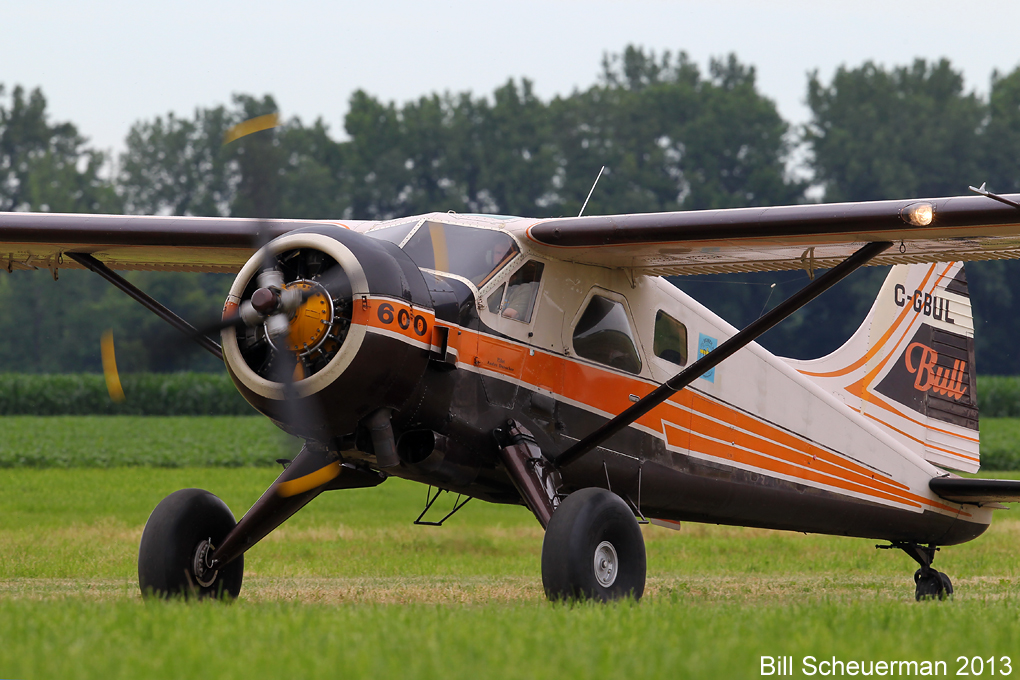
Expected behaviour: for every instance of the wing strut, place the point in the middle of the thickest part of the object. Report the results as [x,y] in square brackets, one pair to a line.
[744,337]
[139,296]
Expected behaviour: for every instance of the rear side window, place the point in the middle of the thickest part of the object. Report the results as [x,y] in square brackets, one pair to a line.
[670,341]
[604,335]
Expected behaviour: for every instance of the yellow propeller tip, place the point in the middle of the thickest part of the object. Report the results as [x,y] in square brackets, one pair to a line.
[247,127]
[113,385]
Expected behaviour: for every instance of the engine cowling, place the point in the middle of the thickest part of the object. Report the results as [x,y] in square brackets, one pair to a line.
[361,334]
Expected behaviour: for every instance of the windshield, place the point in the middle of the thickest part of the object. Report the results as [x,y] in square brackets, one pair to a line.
[475,254]
[394,234]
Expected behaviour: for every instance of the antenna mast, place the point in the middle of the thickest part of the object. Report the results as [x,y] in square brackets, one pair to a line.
[592,191]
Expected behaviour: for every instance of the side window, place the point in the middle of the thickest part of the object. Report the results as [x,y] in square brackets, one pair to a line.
[670,341]
[495,299]
[604,335]
[522,291]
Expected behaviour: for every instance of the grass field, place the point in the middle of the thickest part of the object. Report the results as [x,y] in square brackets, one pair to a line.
[1000,443]
[158,441]
[350,588]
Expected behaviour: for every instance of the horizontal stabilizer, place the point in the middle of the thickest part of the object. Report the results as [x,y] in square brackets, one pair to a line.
[976,490]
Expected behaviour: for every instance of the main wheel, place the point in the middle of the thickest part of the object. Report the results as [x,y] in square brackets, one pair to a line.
[179,537]
[593,549]
[932,585]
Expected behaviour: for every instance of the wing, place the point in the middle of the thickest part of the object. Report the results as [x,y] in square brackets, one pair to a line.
[202,244]
[786,237]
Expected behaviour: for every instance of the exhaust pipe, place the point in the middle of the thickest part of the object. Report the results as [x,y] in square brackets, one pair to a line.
[383,443]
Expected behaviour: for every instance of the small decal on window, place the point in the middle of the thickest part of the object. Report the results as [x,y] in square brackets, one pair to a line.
[706,344]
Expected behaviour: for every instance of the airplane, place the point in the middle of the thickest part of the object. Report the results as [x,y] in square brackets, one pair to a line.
[548,363]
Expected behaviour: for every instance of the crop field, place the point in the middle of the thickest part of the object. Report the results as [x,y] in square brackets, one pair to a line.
[350,588]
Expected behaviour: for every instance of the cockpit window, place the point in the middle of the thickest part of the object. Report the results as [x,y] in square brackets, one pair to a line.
[603,334]
[475,254]
[394,234]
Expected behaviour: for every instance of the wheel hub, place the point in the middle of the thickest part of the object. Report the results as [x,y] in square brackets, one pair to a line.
[202,566]
[605,564]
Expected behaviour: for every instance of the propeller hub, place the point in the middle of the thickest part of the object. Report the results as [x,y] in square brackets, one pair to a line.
[264,301]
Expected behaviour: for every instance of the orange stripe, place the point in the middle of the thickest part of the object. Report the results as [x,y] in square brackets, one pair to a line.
[919,441]
[608,392]
[823,460]
[873,486]
[374,313]
[735,417]
[768,431]
[862,385]
[877,401]
[877,346]
[720,450]
[755,460]
[873,399]
[932,427]
[709,428]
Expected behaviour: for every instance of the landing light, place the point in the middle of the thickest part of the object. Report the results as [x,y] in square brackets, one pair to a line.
[918,214]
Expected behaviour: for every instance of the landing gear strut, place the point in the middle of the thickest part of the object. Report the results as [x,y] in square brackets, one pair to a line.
[192,547]
[593,547]
[928,583]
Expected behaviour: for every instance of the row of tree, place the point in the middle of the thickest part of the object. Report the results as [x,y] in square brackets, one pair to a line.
[671,137]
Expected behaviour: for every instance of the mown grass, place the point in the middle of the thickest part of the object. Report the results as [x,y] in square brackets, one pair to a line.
[350,588]
[679,638]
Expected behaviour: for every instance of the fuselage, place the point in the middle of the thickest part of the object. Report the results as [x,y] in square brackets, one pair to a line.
[561,347]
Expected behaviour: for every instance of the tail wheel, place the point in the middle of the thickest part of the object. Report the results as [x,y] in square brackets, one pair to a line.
[593,549]
[931,586]
[179,537]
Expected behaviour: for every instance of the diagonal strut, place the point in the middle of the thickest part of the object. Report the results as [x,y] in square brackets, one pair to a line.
[743,338]
[91,263]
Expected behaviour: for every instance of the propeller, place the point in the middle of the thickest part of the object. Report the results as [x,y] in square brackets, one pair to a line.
[295,313]
[292,319]
[274,303]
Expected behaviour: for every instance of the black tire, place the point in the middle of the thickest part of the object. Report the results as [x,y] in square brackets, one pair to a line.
[932,586]
[182,524]
[585,523]
[947,587]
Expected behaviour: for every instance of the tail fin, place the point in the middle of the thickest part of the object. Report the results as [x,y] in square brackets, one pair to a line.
[910,366]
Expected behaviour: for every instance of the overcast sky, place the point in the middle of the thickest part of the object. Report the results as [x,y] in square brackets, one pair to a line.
[105,64]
